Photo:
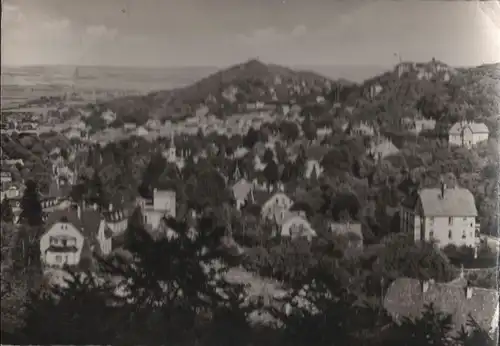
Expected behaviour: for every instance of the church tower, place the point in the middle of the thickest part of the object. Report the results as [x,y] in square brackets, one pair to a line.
[172,152]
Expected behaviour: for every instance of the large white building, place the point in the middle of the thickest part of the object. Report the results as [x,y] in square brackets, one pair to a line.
[445,215]
[468,134]
[163,204]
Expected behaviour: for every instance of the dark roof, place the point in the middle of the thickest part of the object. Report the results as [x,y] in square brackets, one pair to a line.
[259,197]
[115,215]
[405,298]
[88,225]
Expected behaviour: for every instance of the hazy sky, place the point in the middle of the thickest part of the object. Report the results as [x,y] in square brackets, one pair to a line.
[221,32]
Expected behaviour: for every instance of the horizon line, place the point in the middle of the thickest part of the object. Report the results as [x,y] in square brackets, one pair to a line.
[297,65]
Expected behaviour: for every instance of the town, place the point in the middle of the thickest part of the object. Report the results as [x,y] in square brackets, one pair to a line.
[377,194]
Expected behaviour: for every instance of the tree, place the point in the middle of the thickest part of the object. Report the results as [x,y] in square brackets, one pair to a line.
[31,208]
[151,175]
[172,283]
[251,138]
[268,156]
[97,194]
[271,172]
[73,307]
[289,130]
[432,328]
[7,213]
[309,128]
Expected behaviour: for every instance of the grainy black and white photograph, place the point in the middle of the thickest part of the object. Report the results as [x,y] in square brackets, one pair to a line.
[251,173]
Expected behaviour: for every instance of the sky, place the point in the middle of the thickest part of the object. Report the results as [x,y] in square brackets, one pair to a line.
[164,33]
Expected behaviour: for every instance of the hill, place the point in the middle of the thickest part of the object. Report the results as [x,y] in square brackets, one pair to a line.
[250,81]
[430,90]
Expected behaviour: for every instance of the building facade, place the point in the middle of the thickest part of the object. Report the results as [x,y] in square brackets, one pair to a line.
[445,215]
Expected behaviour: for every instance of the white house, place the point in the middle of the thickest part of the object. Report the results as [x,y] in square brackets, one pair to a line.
[241,190]
[5,177]
[72,235]
[381,148]
[468,134]
[277,201]
[163,204]
[108,116]
[293,224]
[313,168]
[445,215]
[141,132]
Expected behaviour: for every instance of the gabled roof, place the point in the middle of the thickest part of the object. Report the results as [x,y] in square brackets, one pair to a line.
[259,197]
[456,202]
[405,298]
[241,189]
[459,127]
[88,225]
[345,228]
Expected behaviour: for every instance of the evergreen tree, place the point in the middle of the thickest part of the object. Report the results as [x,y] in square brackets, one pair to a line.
[84,312]
[431,329]
[7,213]
[97,194]
[173,284]
[31,208]
[271,172]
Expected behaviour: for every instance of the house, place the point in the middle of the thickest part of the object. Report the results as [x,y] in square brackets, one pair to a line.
[407,298]
[5,177]
[108,116]
[13,162]
[313,169]
[445,215]
[12,192]
[274,201]
[73,133]
[293,224]
[241,190]
[163,204]
[72,235]
[141,132]
[381,148]
[116,220]
[129,126]
[323,132]
[350,230]
[468,134]
[423,124]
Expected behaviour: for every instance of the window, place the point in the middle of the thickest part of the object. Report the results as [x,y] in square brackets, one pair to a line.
[465,219]
[431,220]
[431,234]
[64,242]
[53,241]
[58,258]
[450,221]
[449,234]
[464,235]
